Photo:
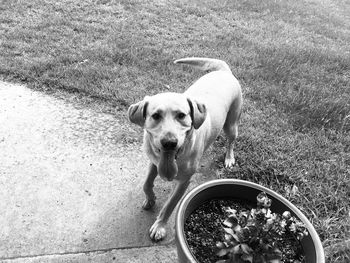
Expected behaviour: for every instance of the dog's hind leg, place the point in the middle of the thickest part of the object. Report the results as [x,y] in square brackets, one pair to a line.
[148,187]
[231,131]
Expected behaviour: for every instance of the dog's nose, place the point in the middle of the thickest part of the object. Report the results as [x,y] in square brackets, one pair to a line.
[169,143]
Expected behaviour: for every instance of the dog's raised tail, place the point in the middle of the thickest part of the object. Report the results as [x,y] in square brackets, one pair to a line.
[205,64]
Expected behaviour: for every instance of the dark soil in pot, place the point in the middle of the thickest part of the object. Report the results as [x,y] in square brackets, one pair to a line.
[203,229]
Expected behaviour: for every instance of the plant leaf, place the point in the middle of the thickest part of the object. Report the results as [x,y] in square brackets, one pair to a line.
[237,249]
[232,237]
[231,221]
[229,231]
[223,252]
[231,211]
[237,228]
[248,258]
[246,249]
[220,245]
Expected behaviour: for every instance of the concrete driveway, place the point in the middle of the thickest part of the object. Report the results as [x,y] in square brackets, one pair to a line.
[71,184]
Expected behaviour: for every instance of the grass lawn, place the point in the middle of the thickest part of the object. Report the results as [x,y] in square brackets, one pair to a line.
[292,58]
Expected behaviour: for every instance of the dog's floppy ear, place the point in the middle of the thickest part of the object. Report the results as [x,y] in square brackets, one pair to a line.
[198,113]
[137,112]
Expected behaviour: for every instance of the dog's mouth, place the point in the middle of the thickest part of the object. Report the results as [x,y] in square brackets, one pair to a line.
[167,167]
[169,152]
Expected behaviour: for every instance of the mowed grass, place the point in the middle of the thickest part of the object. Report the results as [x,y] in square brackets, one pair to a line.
[291,57]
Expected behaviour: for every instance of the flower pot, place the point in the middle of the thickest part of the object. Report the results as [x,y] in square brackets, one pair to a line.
[244,190]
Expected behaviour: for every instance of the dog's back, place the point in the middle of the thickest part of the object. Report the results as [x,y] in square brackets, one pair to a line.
[219,90]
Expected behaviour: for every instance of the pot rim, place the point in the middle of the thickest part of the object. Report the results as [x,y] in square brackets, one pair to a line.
[179,220]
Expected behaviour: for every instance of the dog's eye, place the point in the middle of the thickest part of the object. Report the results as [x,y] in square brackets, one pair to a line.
[181,115]
[156,116]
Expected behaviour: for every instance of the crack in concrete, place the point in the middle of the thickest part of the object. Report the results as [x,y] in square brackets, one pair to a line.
[97,251]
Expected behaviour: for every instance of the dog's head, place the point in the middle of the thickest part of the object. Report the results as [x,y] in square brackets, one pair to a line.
[168,118]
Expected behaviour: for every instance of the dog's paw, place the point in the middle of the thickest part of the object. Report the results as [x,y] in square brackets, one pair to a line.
[229,162]
[148,204]
[157,231]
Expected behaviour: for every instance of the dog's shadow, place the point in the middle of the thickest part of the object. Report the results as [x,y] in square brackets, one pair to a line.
[124,224]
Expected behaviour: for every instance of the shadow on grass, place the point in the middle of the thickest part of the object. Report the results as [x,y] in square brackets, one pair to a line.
[250,164]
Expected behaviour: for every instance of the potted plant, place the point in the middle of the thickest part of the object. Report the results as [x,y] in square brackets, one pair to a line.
[243,192]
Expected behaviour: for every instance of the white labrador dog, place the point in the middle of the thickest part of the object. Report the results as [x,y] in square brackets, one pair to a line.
[179,127]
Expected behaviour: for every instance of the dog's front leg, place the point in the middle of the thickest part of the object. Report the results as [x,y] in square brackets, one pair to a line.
[158,231]
[148,187]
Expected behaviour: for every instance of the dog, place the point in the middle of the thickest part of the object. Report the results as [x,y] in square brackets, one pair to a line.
[179,127]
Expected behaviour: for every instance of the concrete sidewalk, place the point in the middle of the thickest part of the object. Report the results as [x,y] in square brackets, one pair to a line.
[71,184]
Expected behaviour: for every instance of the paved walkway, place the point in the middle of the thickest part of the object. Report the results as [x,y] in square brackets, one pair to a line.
[71,184]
